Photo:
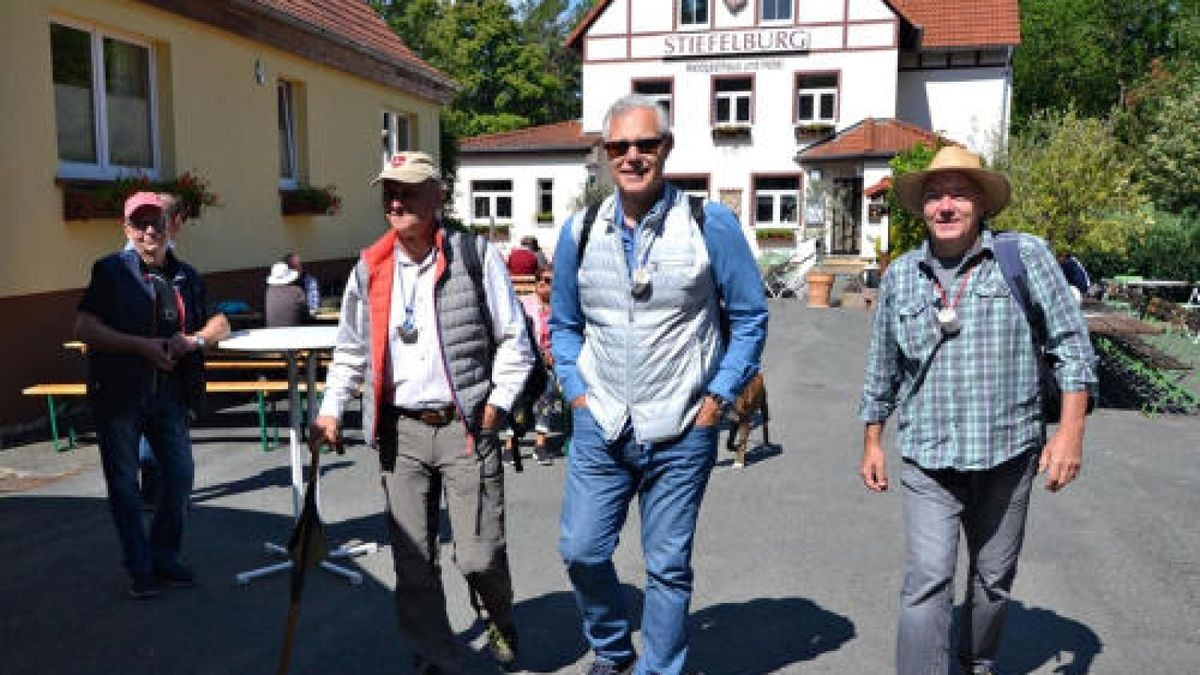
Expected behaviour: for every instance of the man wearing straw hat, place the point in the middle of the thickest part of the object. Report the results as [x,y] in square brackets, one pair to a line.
[953,350]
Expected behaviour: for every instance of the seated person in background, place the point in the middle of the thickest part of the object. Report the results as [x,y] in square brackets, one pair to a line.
[548,409]
[1075,273]
[522,261]
[312,287]
[532,244]
[285,303]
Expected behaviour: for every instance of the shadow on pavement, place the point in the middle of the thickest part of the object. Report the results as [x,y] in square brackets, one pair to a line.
[65,611]
[767,635]
[1038,640]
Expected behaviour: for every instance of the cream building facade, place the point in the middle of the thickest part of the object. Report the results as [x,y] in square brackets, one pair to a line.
[260,98]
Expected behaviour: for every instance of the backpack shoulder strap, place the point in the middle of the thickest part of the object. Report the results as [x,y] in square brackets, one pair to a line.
[697,206]
[1008,255]
[473,261]
[585,232]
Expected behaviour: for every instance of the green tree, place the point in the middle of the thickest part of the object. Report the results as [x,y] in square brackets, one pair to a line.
[1088,54]
[906,230]
[1073,185]
[1170,152]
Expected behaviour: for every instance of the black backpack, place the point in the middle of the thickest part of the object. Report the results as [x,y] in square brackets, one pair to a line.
[521,414]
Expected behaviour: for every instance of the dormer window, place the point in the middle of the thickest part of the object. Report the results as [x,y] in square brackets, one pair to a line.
[693,12]
[776,10]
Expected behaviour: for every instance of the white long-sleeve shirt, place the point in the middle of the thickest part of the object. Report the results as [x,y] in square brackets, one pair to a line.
[421,381]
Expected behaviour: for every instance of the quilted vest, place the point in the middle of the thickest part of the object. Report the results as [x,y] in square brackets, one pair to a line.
[466,348]
[648,359]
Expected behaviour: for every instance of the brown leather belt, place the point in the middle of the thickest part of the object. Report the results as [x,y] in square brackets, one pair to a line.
[434,417]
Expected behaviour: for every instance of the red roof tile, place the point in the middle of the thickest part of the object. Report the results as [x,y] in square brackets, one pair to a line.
[871,138]
[962,23]
[879,188]
[548,137]
[352,20]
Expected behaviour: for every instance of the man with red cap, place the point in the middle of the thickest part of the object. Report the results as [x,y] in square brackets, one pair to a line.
[144,318]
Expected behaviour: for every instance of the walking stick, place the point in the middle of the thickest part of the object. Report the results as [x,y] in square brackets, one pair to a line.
[306,548]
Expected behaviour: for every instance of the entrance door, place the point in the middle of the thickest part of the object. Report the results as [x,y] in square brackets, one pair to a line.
[847,215]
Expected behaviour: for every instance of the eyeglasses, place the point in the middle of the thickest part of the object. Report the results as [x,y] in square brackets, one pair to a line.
[645,146]
[545,280]
[144,223]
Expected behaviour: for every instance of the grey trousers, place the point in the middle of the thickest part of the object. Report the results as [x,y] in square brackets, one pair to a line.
[419,463]
[990,508]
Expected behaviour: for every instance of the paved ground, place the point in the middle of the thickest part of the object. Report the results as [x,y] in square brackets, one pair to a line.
[797,566]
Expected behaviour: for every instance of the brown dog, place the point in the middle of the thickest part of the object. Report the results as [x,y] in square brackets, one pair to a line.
[752,399]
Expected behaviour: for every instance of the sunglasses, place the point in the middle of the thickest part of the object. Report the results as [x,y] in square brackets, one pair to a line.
[645,146]
[145,223]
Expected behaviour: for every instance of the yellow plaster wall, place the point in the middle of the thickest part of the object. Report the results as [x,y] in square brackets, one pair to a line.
[214,119]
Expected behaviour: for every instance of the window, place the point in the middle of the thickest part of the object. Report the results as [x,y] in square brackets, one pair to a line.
[776,200]
[776,10]
[287,134]
[104,101]
[659,90]
[545,199]
[396,136]
[693,12]
[693,186]
[816,98]
[491,199]
[731,104]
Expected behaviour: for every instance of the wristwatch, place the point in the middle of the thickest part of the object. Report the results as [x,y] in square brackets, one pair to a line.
[199,341]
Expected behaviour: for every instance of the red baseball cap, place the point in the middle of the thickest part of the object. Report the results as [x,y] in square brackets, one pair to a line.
[139,200]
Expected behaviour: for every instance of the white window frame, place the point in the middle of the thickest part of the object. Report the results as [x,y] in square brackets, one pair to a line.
[696,24]
[492,196]
[762,12]
[733,97]
[815,93]
[776,195]
[545,189]
[102,169]
[288,137]
[664,100]
[393,140]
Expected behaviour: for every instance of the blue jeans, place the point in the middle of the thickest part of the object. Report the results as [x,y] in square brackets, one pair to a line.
[163,419]
[602,478]
[989,507]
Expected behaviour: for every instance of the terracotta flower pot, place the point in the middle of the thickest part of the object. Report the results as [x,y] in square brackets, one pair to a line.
[819,286]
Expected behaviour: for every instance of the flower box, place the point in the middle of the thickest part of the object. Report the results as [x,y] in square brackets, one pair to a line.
[807,131]
[496,232]
[731,130]
[307,200]
[88,199]
[775,236]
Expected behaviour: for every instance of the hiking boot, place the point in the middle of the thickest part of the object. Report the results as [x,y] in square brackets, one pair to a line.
[542,455]
[176,575]
[502,644]
[143,587]
[606,668]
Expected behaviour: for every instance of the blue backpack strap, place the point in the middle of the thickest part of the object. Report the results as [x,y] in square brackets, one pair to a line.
[1008,254]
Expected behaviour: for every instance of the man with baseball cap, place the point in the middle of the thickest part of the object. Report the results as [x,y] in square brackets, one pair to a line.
[144,318]
[952,349]
[431,330]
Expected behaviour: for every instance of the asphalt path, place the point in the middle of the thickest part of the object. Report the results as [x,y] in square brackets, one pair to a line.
[797,566]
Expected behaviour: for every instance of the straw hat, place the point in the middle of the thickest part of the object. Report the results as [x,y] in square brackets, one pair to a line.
[995,187]
[281,275]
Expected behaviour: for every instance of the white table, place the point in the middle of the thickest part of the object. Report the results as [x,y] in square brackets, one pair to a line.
[295,343]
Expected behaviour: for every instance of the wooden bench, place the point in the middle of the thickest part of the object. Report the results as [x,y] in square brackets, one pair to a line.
[260,388]
[524,284]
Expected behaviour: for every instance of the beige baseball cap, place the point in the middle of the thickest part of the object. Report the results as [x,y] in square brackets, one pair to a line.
[409,167]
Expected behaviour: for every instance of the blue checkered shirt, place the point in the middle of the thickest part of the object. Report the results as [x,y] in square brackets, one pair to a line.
[971,402]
